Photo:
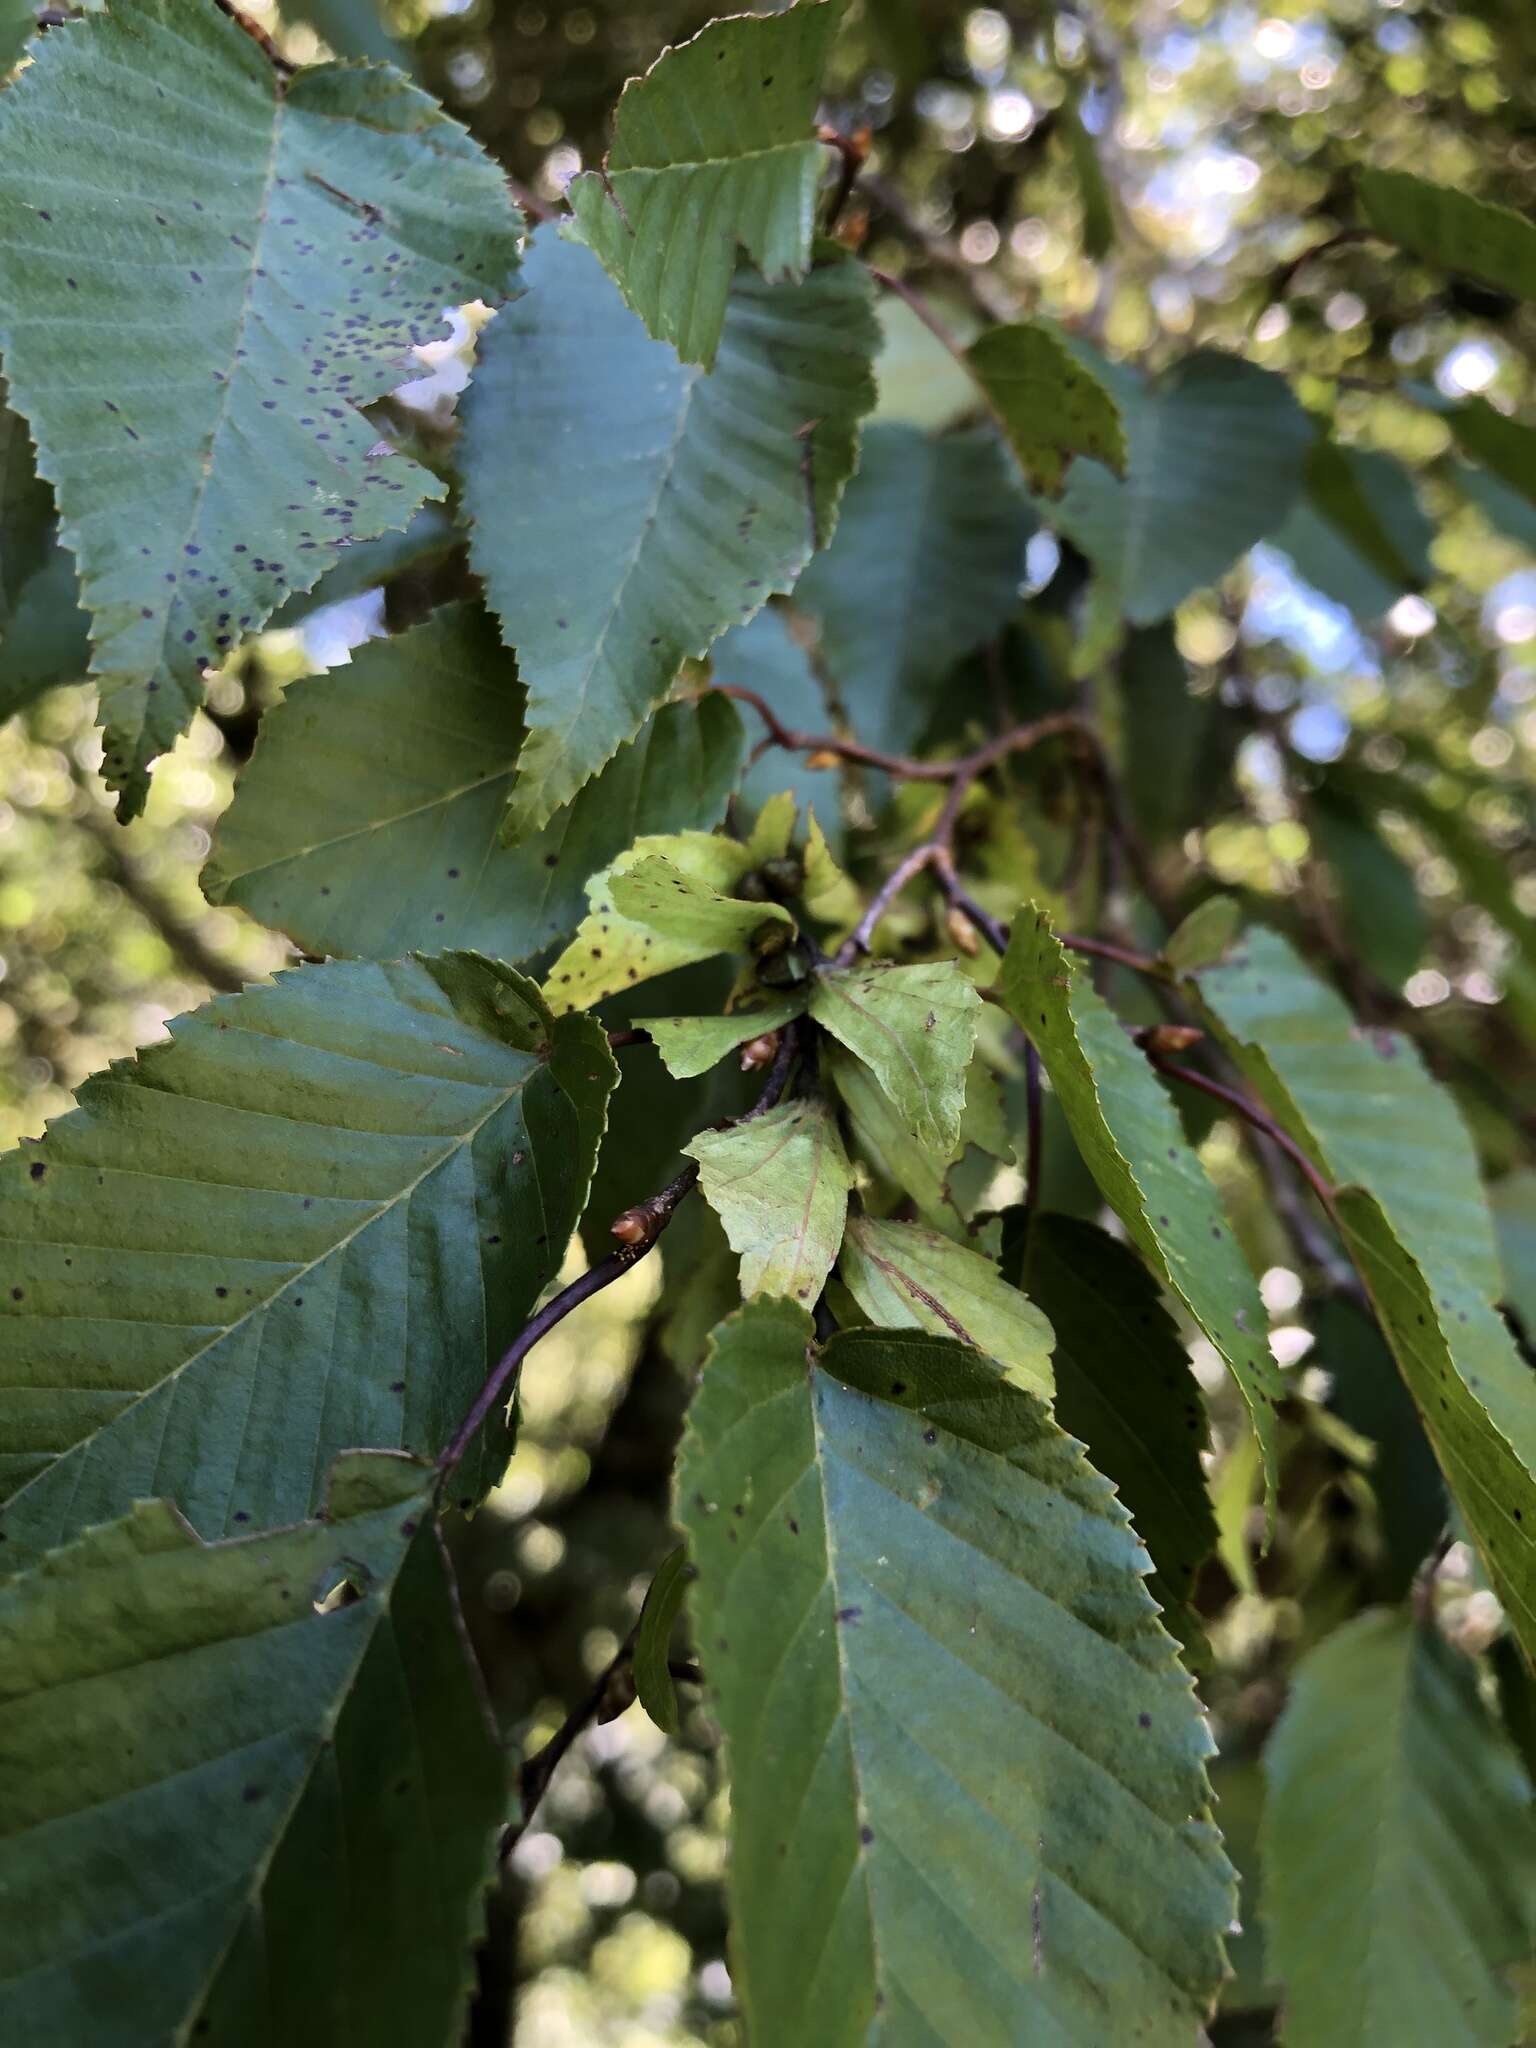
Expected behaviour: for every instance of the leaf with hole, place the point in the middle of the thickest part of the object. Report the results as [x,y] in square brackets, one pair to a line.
[286,241]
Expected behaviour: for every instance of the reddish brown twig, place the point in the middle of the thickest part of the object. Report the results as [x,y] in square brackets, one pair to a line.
[1251,1112]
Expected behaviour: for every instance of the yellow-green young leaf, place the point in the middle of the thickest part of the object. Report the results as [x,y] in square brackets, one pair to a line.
[829,895]
[1129,1133]
[685,501]
[285,241]
[611,952]
[1050,406]
[779,1185]
[1217,448]
[692,1045]
[925,565]
[908,1278]
[665,898]
[1452,230]
[653,1640]
[774,829]
[1205,934]
[1124,1385]
[968,1801]
[369,818]
[713,150]
[883,1140]
[915,1029]
[1399,1847]
[314,1218]
[223,1806]
[1416,1222]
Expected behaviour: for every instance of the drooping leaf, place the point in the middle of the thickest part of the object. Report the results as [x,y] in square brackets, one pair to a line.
[1399,1847]
[653,1640]
[926,564]
[1129,1133]
[369,818]
[915,1029]
[1051,406]
[663,897]
[1377,899]
[779,1185]
[314,1218]
[684,500]
[1415,1220]
[1124,1386]
[1177,749]
[222,1803]
[883,1138]
[1217,448]
[1358,533]
[611,952]
[1205,934]
[713,149]
[1092,185]
[1452,230]
[342,210]
[907,1278]
[692,1045]
[966,1779]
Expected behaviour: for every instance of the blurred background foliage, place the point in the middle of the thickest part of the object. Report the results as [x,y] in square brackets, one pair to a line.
[1343,733]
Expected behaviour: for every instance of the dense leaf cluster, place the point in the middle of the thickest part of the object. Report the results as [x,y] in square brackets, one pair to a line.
[726,684]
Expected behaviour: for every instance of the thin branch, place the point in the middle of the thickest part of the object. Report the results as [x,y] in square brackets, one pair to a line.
[1260,1120]
[993,299]
[853,150]
[533,1779]
[995,932]
[1282,280]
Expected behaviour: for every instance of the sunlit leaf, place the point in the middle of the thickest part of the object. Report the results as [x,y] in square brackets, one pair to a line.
[779,1185]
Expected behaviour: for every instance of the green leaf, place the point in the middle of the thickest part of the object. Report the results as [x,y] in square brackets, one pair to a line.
[42,630]
[779,1185]
[1359,534]
[1513,1201]
[18,21]
[915,1029]
[1376,897]
[353,28]
[371,564]
[908,1278]
[765,656]
[1399,1851]
[1129,1133]
[653,1640]
[884,1141]
[770,837]
[709,493]
[712,150]
[314,1218]
[1092,185]
[1124,1385]
[1505,446]
[262,339]
[1217,448]
[829,895]
[925,565]
[663,897]
[692,1045]
[222,1801]
[1415,1221]
[1452,230]
[965,1766]
[611,952]
[1050,405]
[368,820]
[1205,934]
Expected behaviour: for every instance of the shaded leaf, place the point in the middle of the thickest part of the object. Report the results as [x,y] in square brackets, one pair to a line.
[353,28]
[1205,934]
[692,1045]
[1050,405]
[663,897]
[1414,1219]
[779,1185]
[885,1142]
[1124,1385]
[1513,1201]
[1129,1133]
[1216,454]
[314,1218]
[43,637]
[1452,230]
[241,1753]
[184,545]
[370,564]
[653,1640]
[368,821]
[1399,1851]
[925,565]
[908,1278]
[966,1769]
[1375,894]
[1358,533]
[915,1029]
[684,500]
[764,655]
[712,150]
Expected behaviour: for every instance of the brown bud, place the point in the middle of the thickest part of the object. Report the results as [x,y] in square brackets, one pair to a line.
[823,757]
[759,1051]
[630,1228]
[1166,1039]
[962,932]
